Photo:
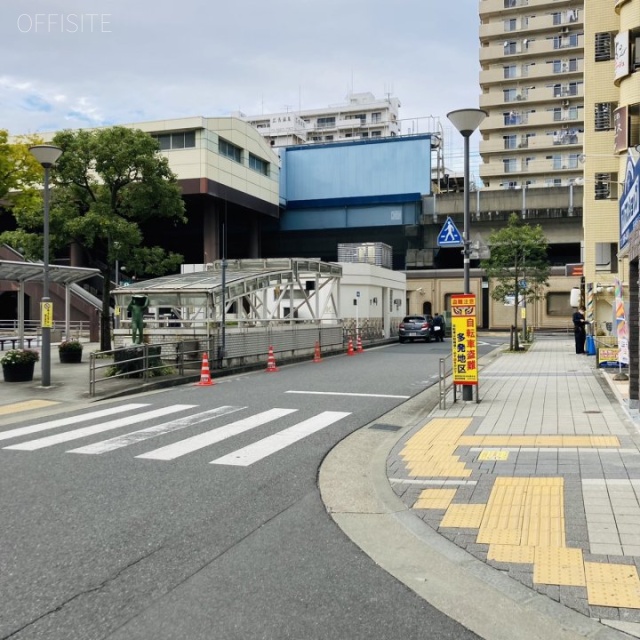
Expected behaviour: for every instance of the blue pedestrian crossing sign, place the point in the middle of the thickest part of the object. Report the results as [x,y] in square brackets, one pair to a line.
[450,236]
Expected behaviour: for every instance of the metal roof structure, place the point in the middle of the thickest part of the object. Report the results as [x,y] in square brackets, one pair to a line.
[201,294]
[16,271]
[22,272]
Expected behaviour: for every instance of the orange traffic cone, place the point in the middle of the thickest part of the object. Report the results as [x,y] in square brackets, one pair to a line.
[316,356]
[271,361]
[359,348]
[205,375]
[350,351]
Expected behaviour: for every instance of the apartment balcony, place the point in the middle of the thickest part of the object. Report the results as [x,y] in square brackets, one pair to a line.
[516,121]
[538,142]
[518,48]
[530,95]
[497,7]
[539,166]
[569,19]
[350,123]
[540,71]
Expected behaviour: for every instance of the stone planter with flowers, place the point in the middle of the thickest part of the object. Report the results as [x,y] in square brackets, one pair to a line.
[70,351]
[18,365]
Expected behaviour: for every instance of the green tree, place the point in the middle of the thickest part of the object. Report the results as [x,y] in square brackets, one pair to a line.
[106,184]
[20,173]
[519,265]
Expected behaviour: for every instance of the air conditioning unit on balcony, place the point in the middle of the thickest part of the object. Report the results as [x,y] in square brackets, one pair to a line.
[519,96]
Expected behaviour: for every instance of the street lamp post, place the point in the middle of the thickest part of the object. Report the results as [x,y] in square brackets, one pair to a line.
[47,155]
[466,121]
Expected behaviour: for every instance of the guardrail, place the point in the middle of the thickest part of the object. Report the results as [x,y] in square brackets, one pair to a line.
[242,350]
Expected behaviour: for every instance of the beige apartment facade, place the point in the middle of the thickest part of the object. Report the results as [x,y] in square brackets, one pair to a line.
[532,87]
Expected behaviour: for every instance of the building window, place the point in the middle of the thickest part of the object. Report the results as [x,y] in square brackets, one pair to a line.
[558,303]
[565,41]
[510,48]
[510,72]
[510,142]
[604,116]
[606,187]
[510,24]
[179,140]
[606,257]
[376,117]
[604,47]
[326,123]
[376,134]
[229,150]
[510,165]
[258,164]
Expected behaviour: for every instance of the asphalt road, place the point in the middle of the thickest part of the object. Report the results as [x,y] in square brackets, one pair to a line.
[140,537]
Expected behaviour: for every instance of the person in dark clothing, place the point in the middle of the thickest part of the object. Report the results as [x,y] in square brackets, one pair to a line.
[438,321]
[579,329]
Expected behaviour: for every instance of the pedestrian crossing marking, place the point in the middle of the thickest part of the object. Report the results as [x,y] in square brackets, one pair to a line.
[173,451]
[144,434]
[265,447]
[48,441]
[64,422]
[243,456]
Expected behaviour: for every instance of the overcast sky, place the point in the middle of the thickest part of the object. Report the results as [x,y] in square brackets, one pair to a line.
[84,63]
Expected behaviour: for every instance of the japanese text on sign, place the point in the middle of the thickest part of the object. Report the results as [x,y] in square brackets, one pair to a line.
[464,339]
[46,315]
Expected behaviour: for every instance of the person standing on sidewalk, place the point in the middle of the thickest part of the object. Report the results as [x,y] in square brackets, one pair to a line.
[579,329]
[438,326]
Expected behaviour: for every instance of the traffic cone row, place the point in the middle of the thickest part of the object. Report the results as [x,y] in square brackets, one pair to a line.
[350,351]
[316,356]
[271,361]
[205,374]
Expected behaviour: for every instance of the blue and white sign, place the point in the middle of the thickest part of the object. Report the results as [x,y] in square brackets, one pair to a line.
[630,201]
[450,236]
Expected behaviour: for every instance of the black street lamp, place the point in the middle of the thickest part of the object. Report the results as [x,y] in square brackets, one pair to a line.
[47,155]
[466,121]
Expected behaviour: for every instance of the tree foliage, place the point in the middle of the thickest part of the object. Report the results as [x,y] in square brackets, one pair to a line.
[106,184]
[20,173]
[519,265]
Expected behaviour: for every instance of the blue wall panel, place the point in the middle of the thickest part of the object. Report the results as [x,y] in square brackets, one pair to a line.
[390,166]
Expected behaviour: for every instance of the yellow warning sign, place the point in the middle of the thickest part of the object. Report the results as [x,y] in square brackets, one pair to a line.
[46,315]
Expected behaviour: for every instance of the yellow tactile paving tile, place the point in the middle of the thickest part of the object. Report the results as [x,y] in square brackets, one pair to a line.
[463,516]
[27,405]
[430,452]
[524,511]
[612,585]
[493,455]
[511,553]
[559,566]
[435,499]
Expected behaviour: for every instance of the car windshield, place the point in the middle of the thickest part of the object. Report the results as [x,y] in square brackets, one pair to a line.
[415,319]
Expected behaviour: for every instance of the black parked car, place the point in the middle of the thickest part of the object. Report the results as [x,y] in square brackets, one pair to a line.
[416,328]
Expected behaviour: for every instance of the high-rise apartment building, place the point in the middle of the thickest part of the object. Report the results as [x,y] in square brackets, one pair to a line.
[532,87]
[362,116]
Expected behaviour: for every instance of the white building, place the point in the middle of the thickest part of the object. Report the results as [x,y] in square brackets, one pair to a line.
[362,116]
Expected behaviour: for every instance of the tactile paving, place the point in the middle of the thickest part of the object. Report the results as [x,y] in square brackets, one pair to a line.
[559,566]
[612,585]
[511,553]
[463,516]
[434,499]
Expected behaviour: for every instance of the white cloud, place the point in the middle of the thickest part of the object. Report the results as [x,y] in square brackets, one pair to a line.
[155,59]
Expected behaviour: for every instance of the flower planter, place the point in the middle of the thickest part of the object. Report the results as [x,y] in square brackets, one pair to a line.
[18,372]
[70,356]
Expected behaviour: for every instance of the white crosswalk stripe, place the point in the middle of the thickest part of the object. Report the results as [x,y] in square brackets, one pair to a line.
[152,432]
[49,441]
[65,422]
[173,451]
[243,457]
[265,447]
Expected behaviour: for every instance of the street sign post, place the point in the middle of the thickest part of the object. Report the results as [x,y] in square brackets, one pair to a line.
[449,235]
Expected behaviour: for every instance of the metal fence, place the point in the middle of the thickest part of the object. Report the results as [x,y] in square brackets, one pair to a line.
[237,349]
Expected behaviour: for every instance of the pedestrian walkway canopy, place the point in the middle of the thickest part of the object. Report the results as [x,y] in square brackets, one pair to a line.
[251,290]
[22,272]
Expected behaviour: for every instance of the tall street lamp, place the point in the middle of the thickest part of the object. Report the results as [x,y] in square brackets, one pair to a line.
[47,155]
[466,121]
